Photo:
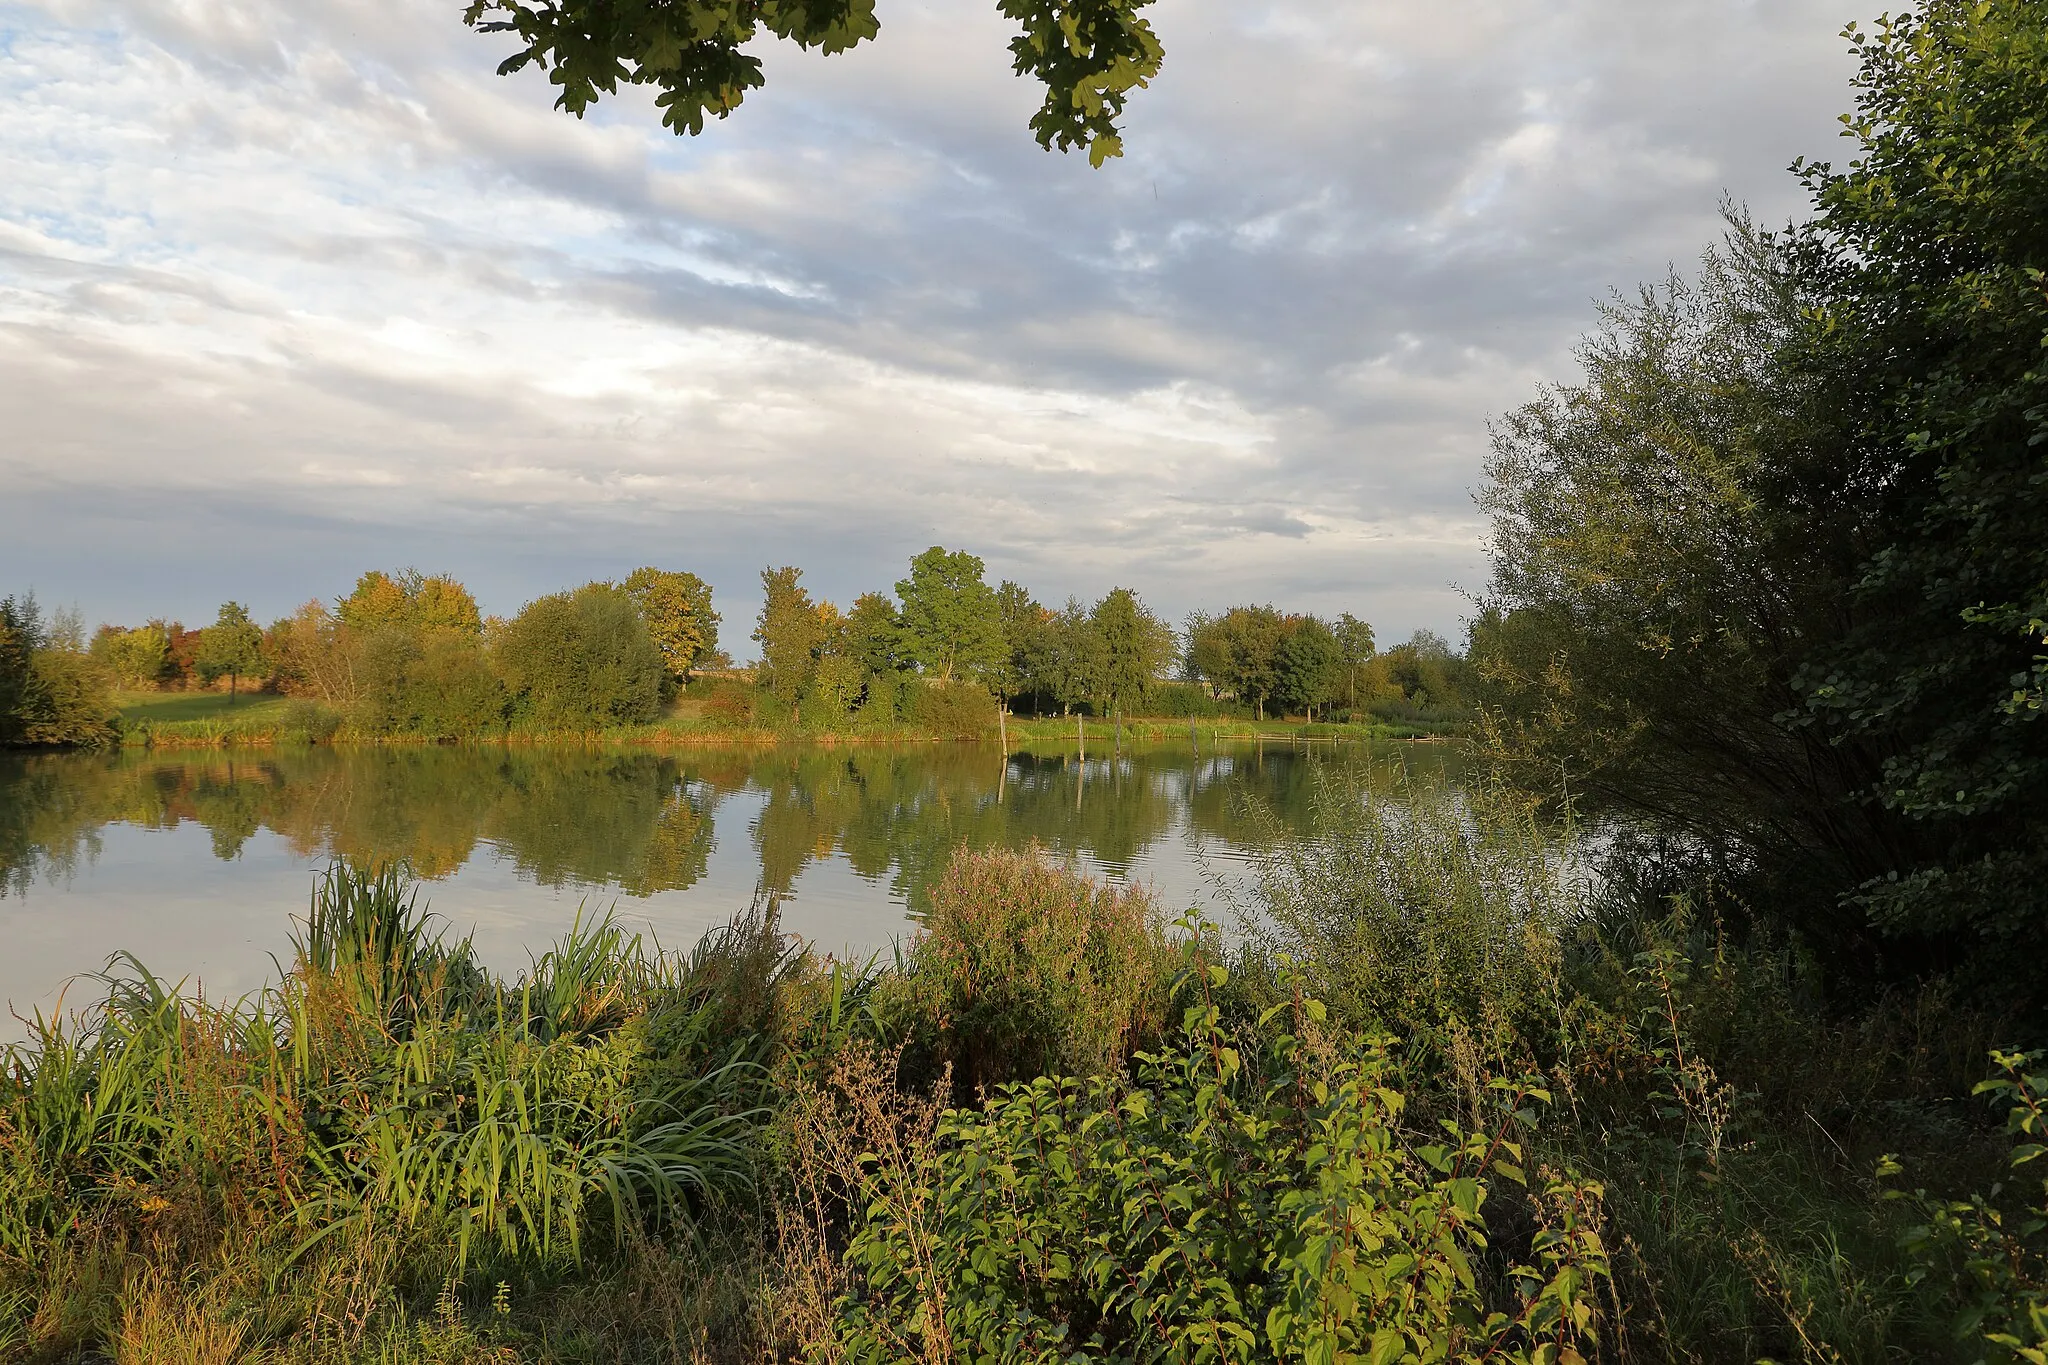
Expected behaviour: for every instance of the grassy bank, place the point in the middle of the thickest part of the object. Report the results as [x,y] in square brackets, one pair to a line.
[179,720]
[1443,1099]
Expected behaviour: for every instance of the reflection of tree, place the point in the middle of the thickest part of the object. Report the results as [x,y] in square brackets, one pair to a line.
[643,821]
[231,809]
[598,818]
[47,818]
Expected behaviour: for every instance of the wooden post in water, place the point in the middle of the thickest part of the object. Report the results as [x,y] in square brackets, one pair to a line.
[1003,730]
[1081,735]
[1194,740]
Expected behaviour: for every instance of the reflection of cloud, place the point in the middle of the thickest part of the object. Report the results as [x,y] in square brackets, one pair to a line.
[315,267]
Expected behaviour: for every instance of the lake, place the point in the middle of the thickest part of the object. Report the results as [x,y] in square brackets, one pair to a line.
[198,861]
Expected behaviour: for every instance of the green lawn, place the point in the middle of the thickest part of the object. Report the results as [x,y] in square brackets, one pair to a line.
[162,708]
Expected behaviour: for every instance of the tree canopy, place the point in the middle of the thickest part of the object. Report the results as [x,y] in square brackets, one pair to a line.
[231,647]
[411,599]
[951,620]
[1088,54]
[1773,575]
[677,609]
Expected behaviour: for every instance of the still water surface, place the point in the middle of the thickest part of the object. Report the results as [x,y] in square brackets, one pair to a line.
[198,862]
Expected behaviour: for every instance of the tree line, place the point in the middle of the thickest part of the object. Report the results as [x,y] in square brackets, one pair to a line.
[407,653]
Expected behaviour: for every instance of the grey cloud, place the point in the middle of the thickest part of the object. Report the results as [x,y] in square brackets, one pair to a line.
[323,268]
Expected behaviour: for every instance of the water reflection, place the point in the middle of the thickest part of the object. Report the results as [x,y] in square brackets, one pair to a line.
[200,855]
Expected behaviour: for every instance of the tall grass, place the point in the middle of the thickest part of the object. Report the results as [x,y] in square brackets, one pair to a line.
[386,1089]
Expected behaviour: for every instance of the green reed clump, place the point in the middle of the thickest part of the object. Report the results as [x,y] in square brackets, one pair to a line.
[386,1091]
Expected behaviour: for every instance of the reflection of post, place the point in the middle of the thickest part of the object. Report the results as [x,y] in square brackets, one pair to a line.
[1080,774]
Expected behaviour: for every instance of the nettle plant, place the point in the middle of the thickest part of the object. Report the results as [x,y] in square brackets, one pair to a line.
[1219,1207]
[2001,1250]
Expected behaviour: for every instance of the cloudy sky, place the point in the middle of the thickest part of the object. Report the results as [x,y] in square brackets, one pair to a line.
[291,289]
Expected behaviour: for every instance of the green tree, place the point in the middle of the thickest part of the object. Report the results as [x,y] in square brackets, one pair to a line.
[230,647]
[677,609]
[1355,647]
[790,632]
[51,691]
[17,641]
[133,658]
[1929,252]
[951,621]
[1023,621]
[1089,54]
[437,684]
[1238,653]
[1069,663]
[1658,569]
[1205,657]
[581,660]
[873,633]
[1135,648]
[1308,665]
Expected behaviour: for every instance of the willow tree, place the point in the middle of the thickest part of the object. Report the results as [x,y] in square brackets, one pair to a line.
[1088,54]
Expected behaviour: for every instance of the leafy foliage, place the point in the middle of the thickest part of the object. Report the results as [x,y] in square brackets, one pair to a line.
[1222,1206]
[582,660]
[1089,54]
[1135,648]
[409,599]
[949,621]
[2003,1287]
[232,646]
[1930,249]
[1772,575]
[677,609]
[51,691]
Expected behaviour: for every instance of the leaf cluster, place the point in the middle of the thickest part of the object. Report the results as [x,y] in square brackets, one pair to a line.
[1220,1206]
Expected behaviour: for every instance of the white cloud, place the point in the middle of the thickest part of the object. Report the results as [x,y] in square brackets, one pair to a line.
[288,291]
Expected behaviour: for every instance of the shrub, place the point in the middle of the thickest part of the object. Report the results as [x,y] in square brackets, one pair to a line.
[1186,701]
[729,703]
[69,702]
[2003,1251]
[951,710]
[310,721]
[582,660]
[1416,906]
[1025,967]
[1245,1199]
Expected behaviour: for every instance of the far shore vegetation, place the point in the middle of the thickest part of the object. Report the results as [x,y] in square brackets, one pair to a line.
[408,657]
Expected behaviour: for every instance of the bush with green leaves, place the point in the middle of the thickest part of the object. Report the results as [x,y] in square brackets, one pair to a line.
[1999,1245]
[1245,1198]
[582,660]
